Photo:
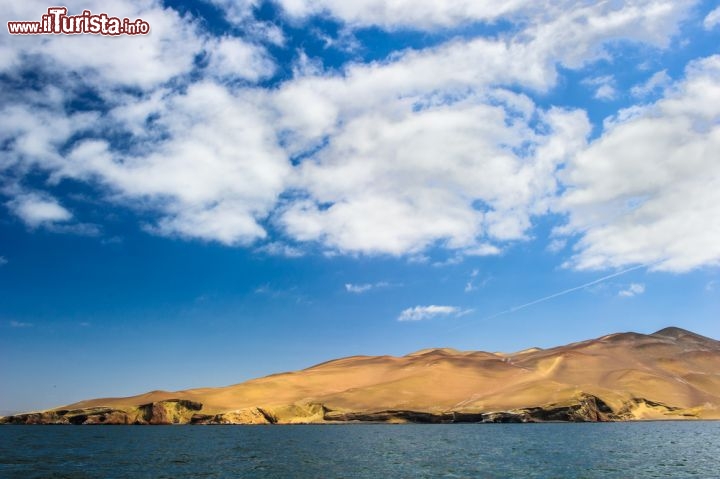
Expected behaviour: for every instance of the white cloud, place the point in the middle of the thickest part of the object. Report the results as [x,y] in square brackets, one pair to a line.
[422,150]
[358,288]
[236,11]
[240,14]
[556,245]
[277,248]
[634,289]
[398,13]
[471,284]
[431,14]
[712,19]
[36,209]
[3,260]
[604,87]
[35,132]
[425,148]
[80,229]
[579,31]
[398,181]
[482,249]
[419,313]
[203,157]
[365,287]
[233,58]
[215,169]
[605,92]
[313,107]
[647,191]
[658,81]
[140,61]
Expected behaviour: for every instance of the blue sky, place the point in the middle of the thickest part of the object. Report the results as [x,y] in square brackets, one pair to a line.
[256,186]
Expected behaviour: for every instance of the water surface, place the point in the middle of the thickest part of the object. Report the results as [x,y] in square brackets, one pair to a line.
[597,450]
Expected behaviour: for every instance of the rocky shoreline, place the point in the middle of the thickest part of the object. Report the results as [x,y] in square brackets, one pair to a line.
[587,408]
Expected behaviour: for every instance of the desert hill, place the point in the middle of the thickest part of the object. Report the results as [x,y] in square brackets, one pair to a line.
[670,374]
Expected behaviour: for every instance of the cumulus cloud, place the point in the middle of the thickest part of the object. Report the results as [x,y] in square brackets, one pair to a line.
[430,14]
[37,128]
[233,58]
[210,165]
[424,149]
[139,61]
[460,175]
[37,209]
[398,13]
[634,289]
[429,147]
[196,152]
[643,193]
[420,313]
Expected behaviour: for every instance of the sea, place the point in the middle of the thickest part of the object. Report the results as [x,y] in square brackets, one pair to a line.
[375,451]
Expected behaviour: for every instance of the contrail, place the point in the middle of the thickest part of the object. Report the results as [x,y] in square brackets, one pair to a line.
[555,295]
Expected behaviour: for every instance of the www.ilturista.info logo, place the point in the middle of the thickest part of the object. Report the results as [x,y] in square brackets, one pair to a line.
[58,22]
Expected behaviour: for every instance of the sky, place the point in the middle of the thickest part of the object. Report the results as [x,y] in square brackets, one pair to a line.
[258,186]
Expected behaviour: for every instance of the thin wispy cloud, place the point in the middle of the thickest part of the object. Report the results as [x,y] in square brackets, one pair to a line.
[633,289]
[475,283]
[469,285]
[559,293]
[20,324]
[3,261]
[357,288]
[365,287]
[658,81]
[292,293]
[277,248]
[421,313]
[556,245]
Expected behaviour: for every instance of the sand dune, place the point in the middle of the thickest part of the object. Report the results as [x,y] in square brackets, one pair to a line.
[670,374]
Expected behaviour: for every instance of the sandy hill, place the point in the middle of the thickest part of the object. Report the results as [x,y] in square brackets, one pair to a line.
[670,374]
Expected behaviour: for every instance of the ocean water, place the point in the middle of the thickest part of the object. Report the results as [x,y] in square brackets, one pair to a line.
[605,450]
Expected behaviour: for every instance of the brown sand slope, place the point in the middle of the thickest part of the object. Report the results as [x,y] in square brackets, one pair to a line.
[670,374]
